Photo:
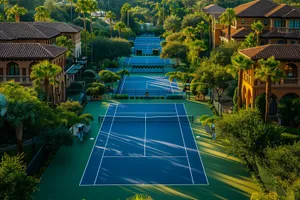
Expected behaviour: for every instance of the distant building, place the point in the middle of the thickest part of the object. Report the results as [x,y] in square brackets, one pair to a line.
[281,23]
[16,60]
[214,11]
[289,57]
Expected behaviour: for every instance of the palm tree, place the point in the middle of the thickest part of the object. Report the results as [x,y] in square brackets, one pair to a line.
[92,6]
[120,27]
[82,8]
[199,46]
[240,63]
[181,76]
[41,14]
[125,11]
[15,12]
[258,27]
[227,18]
[62,41]
[201,28]
[3,105]
[268,72]
[189,33]
[4,3]
[110,15]
[46,73]
[172,23]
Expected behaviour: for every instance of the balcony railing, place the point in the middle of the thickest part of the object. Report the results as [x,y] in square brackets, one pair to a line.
[16,78]
[285,29]
[283,83]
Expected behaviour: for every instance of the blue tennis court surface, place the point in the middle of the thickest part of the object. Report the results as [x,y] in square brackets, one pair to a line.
[154,85]
[144,144]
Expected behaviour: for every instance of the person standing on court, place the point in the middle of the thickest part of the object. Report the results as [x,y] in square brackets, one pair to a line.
[213,131]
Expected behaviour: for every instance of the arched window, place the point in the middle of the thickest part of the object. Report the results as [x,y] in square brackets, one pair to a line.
[281,42]
[291,70]
[13,69]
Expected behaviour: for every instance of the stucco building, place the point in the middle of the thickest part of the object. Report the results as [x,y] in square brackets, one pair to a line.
[289,87]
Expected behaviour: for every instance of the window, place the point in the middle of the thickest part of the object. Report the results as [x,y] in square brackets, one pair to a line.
[295,24]
[277,23]
[266,22]
[293,42]
[243,21]
[13,69]
[290,70]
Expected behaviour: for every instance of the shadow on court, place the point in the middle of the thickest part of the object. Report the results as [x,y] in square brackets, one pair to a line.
[228,179]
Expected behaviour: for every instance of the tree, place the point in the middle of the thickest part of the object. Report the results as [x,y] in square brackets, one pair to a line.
[3,105]
[227,18]
[172,23]
[189,33]
[174,50]
[247,135]
[82,7]
[15,184]
[250,41]
[199,46]
[42,14]
[258,27]
[110,16]
[120,27]
[264,196]
[289,111]
[22,106]
[201,28]
[15,12]
[240,63]
[268,72]
[181,76]
[46,73]
[92,6]
[62,41]
[108,77]
[191,20]
[139,197]
[125,13]
[123,73]
[283,162]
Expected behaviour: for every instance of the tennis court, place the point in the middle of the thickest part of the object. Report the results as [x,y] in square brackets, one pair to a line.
[147,61]
[155,86]
[144,144]
[146,45]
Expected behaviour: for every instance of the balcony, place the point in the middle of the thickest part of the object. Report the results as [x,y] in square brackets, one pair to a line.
[17,78]
[288,82]
[285,30]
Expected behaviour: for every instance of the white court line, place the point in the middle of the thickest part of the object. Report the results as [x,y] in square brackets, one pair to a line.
[123,84]
[196,145]
[143,184]
[112,122]
[187,157]
[144,156]
[94,145]
[145,134]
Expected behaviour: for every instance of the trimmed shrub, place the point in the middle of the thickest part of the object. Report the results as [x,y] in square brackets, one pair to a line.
[174,96]
[289,138]
[89,73]
[131,97]
[77,85]
[121,96]
[113,64]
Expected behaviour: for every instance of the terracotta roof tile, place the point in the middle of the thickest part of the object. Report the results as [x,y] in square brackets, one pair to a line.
[256,8]
[213,8]
[285,11]
[288,35]
[282,52]
[29,51]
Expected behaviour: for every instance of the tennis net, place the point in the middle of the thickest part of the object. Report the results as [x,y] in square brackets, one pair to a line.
[171,118]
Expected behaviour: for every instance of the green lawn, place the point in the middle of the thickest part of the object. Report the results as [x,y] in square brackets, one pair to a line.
[228,179]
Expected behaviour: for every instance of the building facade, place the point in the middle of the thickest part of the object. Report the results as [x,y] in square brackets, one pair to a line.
[16,60]
[281,23]
[289,87]
[40,32]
